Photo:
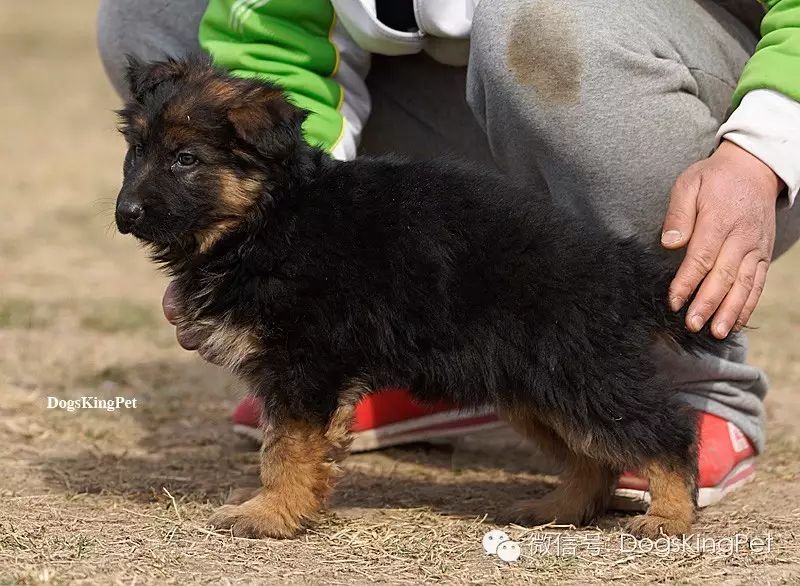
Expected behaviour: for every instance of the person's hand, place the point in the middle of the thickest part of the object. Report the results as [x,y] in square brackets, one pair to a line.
[724,208]
[189,340]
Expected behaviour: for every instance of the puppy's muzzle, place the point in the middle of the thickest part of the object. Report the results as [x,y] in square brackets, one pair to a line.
[129,215]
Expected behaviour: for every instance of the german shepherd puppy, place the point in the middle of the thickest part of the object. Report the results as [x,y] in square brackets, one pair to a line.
[320,281]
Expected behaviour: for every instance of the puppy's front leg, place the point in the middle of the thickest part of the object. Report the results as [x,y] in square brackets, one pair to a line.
[299,465]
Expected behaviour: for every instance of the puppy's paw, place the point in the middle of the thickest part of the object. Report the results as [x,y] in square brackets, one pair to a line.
[654,526]
[257,518]
[542,511]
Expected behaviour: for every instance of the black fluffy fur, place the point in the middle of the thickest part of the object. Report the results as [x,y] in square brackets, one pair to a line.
[433,276]
[454,284]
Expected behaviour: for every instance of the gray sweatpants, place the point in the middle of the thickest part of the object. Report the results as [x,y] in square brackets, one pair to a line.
[602,102]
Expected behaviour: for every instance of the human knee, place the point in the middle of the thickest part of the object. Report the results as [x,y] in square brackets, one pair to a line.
[547,46]
[146,29]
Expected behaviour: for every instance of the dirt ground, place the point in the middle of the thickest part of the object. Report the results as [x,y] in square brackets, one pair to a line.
[98,498]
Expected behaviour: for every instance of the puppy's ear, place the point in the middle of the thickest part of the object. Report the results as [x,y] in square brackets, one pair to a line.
[265,119]
[143,78]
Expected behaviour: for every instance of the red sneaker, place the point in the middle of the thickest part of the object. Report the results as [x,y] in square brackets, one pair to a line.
[247,418]
[725,461]
[392,417]
[388,418]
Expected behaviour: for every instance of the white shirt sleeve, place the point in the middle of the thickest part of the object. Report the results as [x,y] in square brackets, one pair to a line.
[353,67]
[767,125]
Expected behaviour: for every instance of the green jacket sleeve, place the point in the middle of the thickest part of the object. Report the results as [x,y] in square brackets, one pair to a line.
[288,42]
[775,64]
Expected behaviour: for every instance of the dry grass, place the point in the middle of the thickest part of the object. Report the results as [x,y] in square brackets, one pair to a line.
[96,498]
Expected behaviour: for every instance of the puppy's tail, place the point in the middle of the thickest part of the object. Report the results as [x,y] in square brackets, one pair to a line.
[671,325]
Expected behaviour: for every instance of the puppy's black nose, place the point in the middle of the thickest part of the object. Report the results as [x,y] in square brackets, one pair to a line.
[129,214]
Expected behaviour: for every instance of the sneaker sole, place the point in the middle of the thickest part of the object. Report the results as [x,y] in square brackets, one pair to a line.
[253,433]
[426,428]
[436,426]
[635,500]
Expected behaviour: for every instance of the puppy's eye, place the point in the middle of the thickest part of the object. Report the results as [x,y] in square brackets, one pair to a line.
[186,159]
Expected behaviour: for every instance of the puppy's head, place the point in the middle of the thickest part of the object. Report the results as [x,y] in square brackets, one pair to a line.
[204,148]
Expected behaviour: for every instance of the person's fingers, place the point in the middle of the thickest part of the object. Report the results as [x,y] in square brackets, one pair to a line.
[755,294]
[701,255]
[716,284]
[170,303]
[731,307]
[188,338]
[679,220]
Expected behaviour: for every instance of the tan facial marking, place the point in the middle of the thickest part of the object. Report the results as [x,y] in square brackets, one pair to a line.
[181,134]
[236,196]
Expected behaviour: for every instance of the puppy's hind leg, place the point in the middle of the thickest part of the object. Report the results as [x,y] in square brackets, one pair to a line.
[673,500]
[585,484]
[653,432]
[662,442]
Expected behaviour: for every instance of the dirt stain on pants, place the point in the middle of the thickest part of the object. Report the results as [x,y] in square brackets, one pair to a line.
[542,51]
